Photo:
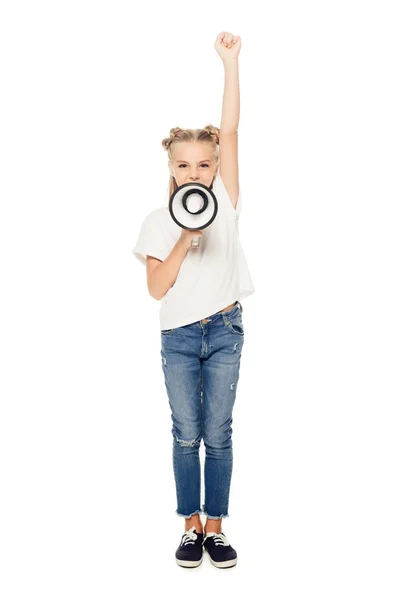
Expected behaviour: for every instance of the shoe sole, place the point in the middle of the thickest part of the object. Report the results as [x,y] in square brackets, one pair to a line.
[222,565]
[189,563]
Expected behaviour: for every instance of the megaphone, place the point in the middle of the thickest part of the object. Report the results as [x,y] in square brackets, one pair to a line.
[193,206]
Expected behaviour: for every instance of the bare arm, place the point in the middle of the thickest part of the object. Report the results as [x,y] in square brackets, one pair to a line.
[231,98]
[228,47]
[161,275]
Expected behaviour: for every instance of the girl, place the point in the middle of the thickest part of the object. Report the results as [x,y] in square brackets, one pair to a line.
[201,323]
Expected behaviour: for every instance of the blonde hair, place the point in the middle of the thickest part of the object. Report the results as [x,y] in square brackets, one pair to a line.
[209,134]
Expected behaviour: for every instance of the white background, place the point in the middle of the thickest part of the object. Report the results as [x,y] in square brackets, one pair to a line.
[89,90]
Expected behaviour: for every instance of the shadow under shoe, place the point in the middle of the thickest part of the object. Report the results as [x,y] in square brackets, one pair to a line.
[190,551]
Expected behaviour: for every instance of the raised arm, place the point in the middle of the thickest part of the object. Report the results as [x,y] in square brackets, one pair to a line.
[228,47]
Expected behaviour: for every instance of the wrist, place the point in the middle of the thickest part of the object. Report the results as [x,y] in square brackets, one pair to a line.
[230,62]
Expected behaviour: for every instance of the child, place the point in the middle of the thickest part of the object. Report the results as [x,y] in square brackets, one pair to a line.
[201,323]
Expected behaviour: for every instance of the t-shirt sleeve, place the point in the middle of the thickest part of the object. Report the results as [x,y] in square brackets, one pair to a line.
[150,240]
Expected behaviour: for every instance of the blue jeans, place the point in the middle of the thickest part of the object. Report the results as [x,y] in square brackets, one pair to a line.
[201,364]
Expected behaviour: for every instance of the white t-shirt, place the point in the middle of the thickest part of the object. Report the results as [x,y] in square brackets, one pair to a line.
[211,276]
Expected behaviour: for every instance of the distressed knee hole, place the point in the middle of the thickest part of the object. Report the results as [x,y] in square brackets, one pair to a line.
[183,443]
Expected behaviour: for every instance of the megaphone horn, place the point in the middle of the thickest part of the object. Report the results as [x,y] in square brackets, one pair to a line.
[193,206]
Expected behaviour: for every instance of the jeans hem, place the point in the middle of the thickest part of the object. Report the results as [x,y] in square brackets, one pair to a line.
[221,516]
[188,516]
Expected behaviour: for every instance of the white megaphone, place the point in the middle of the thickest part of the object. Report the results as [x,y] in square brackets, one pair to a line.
[193,206]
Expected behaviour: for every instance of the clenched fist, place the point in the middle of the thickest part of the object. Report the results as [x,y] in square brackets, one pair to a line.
[227,45]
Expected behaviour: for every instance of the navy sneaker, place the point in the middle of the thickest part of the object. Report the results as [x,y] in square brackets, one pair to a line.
[221,553]
[190,551]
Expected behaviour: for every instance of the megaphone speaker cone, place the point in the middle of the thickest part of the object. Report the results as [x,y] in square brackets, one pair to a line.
[193,206]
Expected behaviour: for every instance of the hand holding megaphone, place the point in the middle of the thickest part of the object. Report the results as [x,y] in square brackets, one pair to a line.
[190,238]
[193,206]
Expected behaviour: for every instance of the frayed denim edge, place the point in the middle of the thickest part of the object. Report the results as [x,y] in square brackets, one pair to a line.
[188,516]
[222,516]
[201,512]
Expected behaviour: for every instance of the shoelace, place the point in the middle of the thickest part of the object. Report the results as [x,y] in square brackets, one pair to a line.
[189,537]
[220,539]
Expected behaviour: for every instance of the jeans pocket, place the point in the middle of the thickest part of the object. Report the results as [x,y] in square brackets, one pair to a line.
[235,324]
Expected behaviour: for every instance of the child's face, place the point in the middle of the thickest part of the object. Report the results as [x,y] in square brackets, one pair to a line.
[192,162]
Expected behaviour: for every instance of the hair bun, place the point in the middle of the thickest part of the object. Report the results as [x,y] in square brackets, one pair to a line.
[209,133]
[213,132]
[173,133]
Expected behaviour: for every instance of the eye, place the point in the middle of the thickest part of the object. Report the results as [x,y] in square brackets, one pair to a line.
[203,165]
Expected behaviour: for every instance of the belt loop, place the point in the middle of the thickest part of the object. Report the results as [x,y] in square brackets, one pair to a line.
[241,307]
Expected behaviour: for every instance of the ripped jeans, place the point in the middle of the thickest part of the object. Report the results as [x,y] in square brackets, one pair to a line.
[201,364]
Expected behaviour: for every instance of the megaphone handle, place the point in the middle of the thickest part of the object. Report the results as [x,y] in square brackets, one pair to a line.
[195,242]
